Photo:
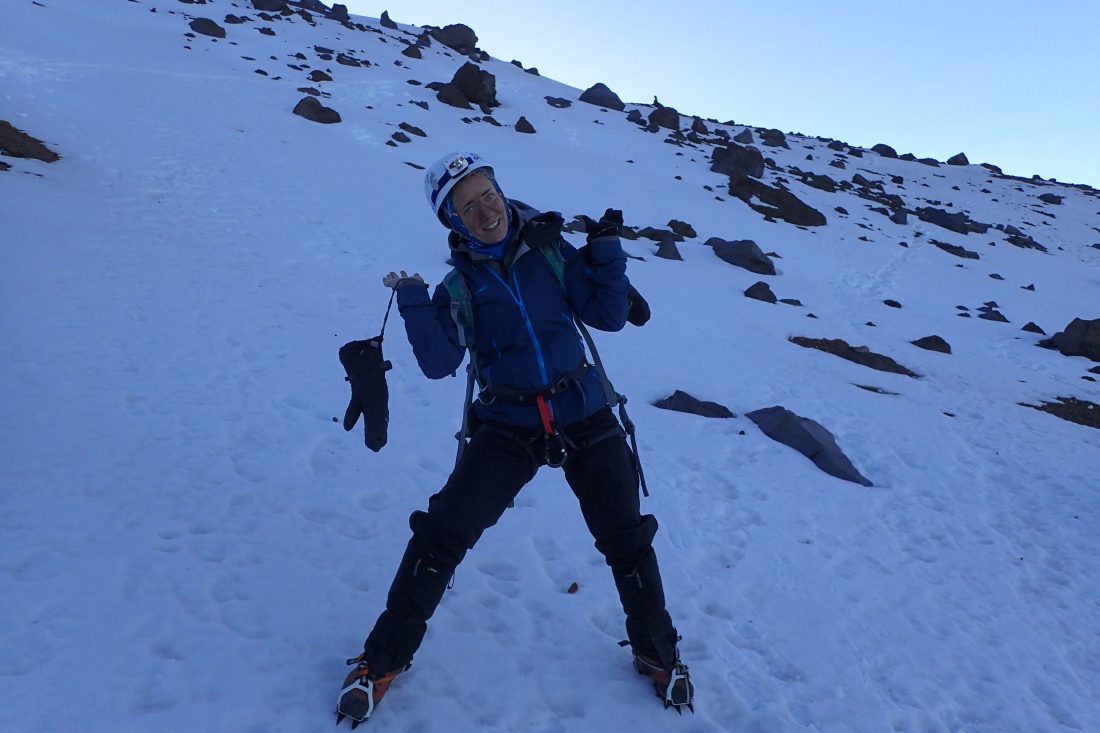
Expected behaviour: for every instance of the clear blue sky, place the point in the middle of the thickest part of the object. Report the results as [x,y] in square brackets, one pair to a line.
[1012,83]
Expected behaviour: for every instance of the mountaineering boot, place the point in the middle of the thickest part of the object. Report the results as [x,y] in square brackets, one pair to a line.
[672,684]
[361,691]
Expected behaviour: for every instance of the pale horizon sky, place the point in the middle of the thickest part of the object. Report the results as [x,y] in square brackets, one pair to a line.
[999,81]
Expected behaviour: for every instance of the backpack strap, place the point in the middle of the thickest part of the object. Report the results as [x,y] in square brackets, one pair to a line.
[462,307]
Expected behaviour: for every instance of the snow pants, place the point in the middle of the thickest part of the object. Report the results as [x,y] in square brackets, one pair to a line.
[496,464]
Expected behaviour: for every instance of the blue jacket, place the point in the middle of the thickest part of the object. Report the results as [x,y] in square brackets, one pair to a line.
[523,323]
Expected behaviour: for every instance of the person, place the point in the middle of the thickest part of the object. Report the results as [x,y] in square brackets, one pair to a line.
[540,403]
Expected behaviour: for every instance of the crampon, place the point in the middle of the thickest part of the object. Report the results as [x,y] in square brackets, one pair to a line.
[673,686]
[362,691]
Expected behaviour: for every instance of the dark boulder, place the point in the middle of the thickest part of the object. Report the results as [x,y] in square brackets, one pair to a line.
[1080,338]
[682,228]
[955,222]
[270,6]
[743,253]
[667,250]
[737,161]
[776,202]
[339,13]
[601,96]
[207,27]
[698,127]
[386,21]
[809,438]
[412,51]
[744,137]
[477,85]
[858,354]
[665,117]
[933,343]
[680,401]
[774,139]
[558,102]
[317,76]
[1051,198]
[1033,327]
[761,291]
[18,144]
[522,125]
[958,159]
[956,250]
[885,150]
[460,37]
[314,111]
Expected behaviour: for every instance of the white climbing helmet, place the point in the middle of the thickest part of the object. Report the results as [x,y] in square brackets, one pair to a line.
[445,173]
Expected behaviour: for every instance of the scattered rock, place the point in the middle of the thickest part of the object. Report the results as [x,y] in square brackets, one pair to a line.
[1050,198]
[958,159]
[558,102]
[478,85]
[885,150]
[601,96]
[386,22]
[743,253]
[667,250]
[18,144]
[665,117]
[809,438]
[933,343]
[339,13]
[1080,338]
[737,161]
[774,139]
[956,250]
[859,354]
[207,27]
[892,303]
[412,129]
[270,6]
[1072,409]
[761,291]
[698,127]
[682,228]
[412,51]
[522,125]
[777,203]
[744,137]
[680,401]
[1032,327]
[314,111]
[451,95]
[459,37]
[317,75]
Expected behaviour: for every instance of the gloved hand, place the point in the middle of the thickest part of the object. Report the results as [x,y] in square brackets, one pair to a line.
[607,226]
[366,370]
[639,312]
[395,280]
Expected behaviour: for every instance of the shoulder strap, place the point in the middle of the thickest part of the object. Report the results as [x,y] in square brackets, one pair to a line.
[462,308]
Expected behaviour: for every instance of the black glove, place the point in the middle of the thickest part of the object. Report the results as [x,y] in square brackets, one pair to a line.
[366,370]
[607,226]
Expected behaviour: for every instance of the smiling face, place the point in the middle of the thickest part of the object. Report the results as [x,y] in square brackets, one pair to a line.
[481,208]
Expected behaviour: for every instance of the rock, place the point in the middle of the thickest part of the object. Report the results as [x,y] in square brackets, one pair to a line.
[958,159]
[737,162]
[761,291]
[776,203]
[667,250]
[558,102]
[892,303]
[458,36]
[1080,338]
[317,76]
[698,127]
[522,125]
[477,85]
[774,139]
[270,6]
[899,217]
[809,438]
[314,111]
[680,401]
[858,354]
[18,144]
[933,343]
[665,117]
[452,95]
[956,250]
[885,150]
[1032,327]
[412,51]
[743,253]
[1072,409]
[1051,198]
[635,116]
[682,228]
[956,222]
[744,137]
[386,22]
[339,13]
[599,95]
[207,27]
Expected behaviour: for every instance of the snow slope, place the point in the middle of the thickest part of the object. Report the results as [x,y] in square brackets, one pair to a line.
[189,541]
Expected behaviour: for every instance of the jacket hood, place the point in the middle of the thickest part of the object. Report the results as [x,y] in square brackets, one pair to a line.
[458,245]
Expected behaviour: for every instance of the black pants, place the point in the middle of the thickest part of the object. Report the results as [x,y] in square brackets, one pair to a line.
[496,464]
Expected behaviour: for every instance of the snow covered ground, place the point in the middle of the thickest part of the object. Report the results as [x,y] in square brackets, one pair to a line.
[189,541]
